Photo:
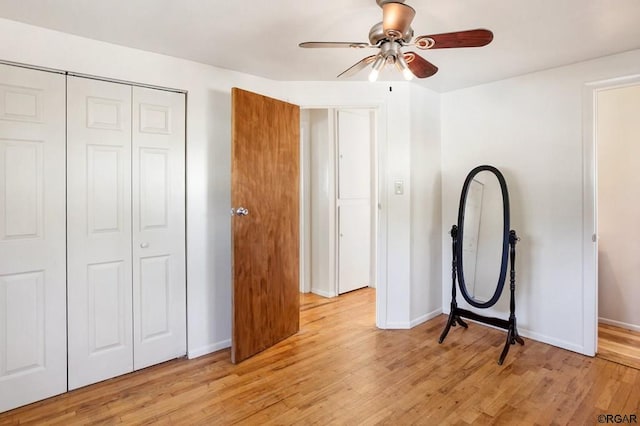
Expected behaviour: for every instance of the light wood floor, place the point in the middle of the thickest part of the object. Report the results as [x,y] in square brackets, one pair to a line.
[340,369]
[619,345]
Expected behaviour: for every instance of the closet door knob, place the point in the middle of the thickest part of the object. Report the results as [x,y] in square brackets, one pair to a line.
[144,245]
[240,211]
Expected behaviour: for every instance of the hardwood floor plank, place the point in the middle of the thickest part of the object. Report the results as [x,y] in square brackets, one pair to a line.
[619,345]
[340,369]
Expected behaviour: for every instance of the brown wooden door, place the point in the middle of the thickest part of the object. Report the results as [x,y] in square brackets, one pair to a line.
[265,181]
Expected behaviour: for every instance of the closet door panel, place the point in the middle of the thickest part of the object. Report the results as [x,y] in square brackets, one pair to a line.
[354,153]
[159,278]
[354,267]
[32,236]
[99,232]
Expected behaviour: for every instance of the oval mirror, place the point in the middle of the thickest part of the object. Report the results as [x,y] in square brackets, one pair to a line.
[482,247]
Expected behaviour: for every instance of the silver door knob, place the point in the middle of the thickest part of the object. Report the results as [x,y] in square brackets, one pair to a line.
[144,245]
[240,211]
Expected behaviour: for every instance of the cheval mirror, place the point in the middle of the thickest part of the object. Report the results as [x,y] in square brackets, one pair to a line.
[482,245]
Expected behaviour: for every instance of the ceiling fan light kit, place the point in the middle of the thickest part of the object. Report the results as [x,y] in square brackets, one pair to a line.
[403,66]
[393,33]
[375,70]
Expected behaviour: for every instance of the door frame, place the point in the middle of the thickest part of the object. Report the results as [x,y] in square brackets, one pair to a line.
[590,205]
[378,203]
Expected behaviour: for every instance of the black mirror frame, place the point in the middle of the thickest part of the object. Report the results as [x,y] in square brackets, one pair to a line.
[505,237]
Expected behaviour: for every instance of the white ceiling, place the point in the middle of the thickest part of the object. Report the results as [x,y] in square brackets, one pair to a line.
[261,37]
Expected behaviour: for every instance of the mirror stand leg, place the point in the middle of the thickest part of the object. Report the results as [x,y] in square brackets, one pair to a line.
[462,323]
[454,316]
[515,337]
[457,319]
[507,344]
[454,319]
[450,322]
[512,334]
[512,338]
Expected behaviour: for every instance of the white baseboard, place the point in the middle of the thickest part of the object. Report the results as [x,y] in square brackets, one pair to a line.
[405,325]
[323,293]
[540,338]
[620,324]
[425,317]
[398,325]
[209,349]
[553,341]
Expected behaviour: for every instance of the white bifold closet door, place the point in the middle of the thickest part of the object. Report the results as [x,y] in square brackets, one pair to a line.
[126,228]
[99,230]
[159,243]
[33,362]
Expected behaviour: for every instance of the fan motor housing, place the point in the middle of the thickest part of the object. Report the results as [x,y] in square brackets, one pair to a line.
[377,34]
[383,2]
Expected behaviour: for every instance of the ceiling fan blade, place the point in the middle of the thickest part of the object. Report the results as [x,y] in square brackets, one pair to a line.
[358,66]
[419,66]
[323,44]
[396,19]
[470,38]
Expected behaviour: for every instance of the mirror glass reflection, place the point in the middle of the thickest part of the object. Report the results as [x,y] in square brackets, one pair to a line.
[482,238]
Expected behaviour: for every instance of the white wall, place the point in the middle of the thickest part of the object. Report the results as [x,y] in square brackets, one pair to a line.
[208,161]
[322,203]
[531,128]
[618,134]
[426,207]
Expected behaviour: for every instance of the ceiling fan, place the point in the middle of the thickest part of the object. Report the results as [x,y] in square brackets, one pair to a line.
[394,33]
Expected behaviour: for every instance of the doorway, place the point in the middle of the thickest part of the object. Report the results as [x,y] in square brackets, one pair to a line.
[339,225]
[617,157]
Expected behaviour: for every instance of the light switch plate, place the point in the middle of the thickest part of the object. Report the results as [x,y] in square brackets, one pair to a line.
[398,187]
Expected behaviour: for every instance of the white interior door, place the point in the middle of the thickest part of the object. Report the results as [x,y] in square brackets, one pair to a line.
[159,288]
[354,154]
[354,198]
[354,246]
[99,231]
[32,236]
